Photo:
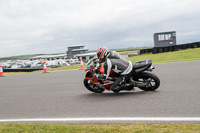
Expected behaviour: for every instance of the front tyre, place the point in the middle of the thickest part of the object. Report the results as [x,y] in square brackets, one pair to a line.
[153,82]
[92,87]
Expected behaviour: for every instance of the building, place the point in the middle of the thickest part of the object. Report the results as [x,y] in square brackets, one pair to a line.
[74,53]
[163,39]
[86,56]
[76,49]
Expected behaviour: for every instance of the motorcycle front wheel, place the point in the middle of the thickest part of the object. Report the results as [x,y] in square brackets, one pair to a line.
[92,87]
[153,82]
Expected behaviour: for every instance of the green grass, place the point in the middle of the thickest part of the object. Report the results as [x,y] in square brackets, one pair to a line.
[98,128]
[178,56]
[129,49]
[129,52]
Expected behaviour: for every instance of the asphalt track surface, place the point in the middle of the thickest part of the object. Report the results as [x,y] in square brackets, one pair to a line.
[61,94]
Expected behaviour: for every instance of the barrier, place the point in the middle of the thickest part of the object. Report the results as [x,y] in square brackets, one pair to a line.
[194,45]
[198,44]
[156,50]
[145,51]
[21,69]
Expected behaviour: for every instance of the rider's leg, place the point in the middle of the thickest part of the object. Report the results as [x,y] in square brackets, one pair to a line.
[116,86]
[119,83]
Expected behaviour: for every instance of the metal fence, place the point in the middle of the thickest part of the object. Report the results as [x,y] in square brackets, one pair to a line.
[157,50]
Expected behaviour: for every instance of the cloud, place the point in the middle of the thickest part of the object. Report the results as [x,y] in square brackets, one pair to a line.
[50,26]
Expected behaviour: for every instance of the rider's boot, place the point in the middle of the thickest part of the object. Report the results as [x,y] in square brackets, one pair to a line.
[118,88]
[129,86]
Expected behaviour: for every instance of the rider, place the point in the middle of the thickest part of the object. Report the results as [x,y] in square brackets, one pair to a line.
[113,60]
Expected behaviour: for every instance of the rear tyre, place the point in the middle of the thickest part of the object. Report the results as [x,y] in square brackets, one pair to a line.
[92,87]
[153,82]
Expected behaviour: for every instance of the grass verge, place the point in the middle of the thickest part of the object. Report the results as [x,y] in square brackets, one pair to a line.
[99,128]
[178,56]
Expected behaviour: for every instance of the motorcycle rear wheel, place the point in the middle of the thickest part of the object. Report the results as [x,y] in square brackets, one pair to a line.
[92,87]
[152,80]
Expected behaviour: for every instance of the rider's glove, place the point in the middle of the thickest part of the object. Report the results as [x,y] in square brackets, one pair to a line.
[99,76]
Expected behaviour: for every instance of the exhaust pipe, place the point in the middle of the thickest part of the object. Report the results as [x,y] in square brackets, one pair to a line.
[140,84]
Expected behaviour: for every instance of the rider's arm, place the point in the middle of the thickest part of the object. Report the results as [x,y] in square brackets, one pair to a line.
[107,68]
[92,60]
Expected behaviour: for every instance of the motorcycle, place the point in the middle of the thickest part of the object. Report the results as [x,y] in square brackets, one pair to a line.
[142,77]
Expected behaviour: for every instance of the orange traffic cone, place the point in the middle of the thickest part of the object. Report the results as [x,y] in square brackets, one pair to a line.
[45,68]
[1,71]
[82,67]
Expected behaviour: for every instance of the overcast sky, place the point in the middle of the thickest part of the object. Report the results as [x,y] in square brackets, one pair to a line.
[50,26]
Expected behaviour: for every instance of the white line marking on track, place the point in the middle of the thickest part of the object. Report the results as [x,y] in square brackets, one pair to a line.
[106,119]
